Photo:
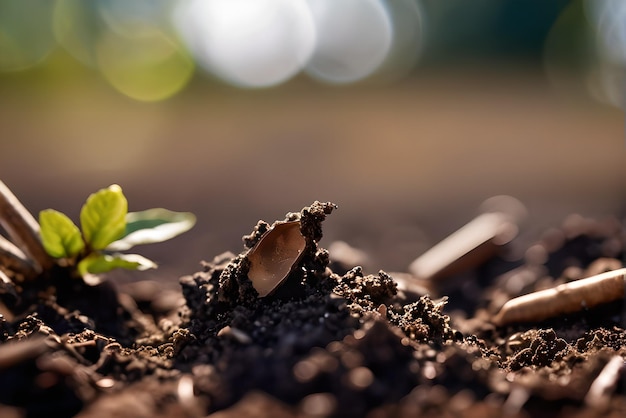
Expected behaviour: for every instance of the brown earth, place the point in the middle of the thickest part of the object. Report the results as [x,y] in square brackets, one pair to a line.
[330,341]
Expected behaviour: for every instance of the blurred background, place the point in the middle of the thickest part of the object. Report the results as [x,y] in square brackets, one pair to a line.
[406,113]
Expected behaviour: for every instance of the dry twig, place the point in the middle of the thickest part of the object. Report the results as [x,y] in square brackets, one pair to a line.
[7,289]
[22,228]
[15,260]
[475,242]
[601,389]
[566,298]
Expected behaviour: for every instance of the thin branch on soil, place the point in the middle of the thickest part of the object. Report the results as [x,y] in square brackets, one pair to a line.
[566,298]
[7,288]
[14,259]
[22,228]
[467,247]
[601,389]
[473,243]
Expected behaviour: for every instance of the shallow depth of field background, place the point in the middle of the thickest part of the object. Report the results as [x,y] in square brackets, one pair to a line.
[406,113]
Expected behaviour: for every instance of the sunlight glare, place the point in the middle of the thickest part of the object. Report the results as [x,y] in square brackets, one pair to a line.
[607,82]
[145,68]
[249,43]
[353,39]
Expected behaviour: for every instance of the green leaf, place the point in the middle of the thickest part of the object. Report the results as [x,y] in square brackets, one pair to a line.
[101,263]
[60,237]
[153,225]
[103,217]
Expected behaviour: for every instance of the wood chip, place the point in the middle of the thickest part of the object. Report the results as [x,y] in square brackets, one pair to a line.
[566,298]
[474,243]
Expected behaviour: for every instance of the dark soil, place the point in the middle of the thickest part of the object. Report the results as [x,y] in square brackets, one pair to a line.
[330,341]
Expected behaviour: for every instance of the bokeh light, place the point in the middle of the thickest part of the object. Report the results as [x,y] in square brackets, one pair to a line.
[609,17]
[607,81]
[256,43]
[567,50]
[25,33]
[146,68]
[353,39]
[148,50]
[407,19]
[132,44]
[135,18]
[77,27]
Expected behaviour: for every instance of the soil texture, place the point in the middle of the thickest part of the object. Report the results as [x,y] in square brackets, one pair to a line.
[328,341]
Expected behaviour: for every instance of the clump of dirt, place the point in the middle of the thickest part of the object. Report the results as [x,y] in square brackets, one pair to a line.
[535,348]
[326,343]
[318,329]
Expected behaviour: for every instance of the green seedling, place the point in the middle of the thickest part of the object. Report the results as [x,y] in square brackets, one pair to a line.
[106,227]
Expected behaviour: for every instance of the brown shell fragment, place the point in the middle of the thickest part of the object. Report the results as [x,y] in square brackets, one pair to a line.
[275,255]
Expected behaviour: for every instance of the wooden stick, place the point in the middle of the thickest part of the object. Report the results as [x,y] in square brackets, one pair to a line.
[7,288]
[474,243]
[15,260]
[22,228]
[600,391]
[566,298]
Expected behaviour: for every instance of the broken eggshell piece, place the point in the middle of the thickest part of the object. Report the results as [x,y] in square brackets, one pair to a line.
[275,255]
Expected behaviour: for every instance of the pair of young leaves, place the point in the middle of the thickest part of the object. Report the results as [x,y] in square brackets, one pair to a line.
[108,226]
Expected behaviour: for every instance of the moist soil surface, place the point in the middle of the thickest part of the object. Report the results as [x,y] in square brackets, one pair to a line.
[330,340]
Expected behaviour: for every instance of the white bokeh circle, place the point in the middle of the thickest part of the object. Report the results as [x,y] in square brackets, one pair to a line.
[249,43]
[353,39]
